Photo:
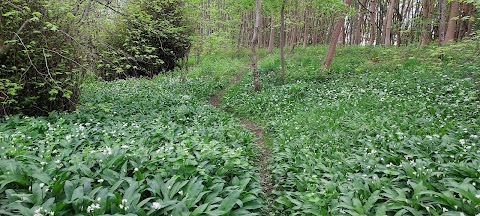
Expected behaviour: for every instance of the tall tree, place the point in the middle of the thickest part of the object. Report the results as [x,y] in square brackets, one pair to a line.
[373,18]
[333,43]
[442,7]
[282,37]
[258,14]
[426,33]
[388,23]
[452,22]
[308,11]
[271,41]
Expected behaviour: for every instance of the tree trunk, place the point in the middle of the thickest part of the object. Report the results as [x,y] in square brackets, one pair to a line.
[333,42]
[442,7]
[471,20]
[260,31]
[271,42]
[452,23]
[388,24]
[307,22]
[282,38]
[426,27]
[294,38]
[373,17]
[256,81]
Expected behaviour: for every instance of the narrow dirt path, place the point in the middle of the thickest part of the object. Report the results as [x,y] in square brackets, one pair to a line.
[263,158]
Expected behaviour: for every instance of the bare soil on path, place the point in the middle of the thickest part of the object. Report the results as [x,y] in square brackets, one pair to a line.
[263,158]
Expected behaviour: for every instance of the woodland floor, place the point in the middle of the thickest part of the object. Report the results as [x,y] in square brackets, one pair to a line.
[264,158]
[390,131]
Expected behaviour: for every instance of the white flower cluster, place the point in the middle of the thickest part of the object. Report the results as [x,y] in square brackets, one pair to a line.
[92,207]
[123,205]
[156,205]
[41,212]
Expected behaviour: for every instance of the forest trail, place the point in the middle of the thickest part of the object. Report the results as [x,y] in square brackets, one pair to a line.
[263,158]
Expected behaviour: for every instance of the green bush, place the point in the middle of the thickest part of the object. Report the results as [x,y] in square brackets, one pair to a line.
[150,37]
[38,73]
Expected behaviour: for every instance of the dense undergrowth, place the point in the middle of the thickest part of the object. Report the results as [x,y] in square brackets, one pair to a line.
[389,132]
[134,147]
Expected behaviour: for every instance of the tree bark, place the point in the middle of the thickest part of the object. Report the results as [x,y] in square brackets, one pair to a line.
[282,37]
[452,23]
[426,33]
[333,42]
[388,24]
[271,42]
[307,23]
[256,80]
[373,18]
[442,7]
[471,20]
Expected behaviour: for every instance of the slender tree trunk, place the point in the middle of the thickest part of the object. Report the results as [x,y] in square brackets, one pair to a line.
[282,38]
[333,43]
[449,36]
[294,38]
[388,24]
[425,19]
[271,42]
[471,20]
[373,18]
[307,23]
[442,7]
[260,36]
[258,12]
[315,33]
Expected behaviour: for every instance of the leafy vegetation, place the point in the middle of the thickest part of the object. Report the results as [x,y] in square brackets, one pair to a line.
[37,70]
[137,147]
[380,136]
[149,37]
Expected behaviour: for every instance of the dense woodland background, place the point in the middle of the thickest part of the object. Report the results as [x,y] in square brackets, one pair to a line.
[48,48]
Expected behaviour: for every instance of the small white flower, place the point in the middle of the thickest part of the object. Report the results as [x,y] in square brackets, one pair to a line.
[124,201]
[180,192]
[462,141]
[52,213]
[477,196]
[124,146]
[136,169]
[444,209]
[41,185]
[156,205]
[43,163]
[57,161]
[107,151]
[100,180]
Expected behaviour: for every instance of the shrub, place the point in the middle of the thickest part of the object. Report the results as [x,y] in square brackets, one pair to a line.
[150,37]
[38,73]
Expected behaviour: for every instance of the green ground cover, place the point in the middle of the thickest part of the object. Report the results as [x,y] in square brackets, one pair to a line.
[135,147]
[388,132]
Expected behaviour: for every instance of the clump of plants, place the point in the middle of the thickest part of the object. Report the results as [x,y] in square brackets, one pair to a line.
[39,71]
[149,37]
